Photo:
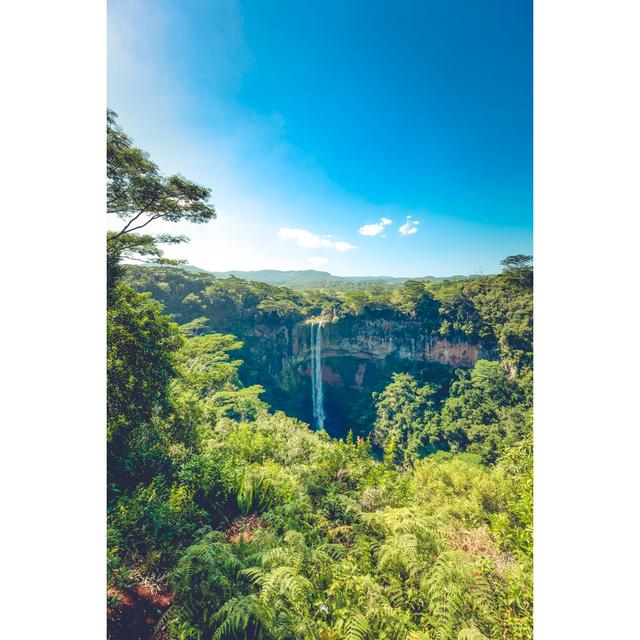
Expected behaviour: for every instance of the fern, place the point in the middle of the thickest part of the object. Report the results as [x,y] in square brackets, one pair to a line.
[285,582]
[458,590]
[237,615]
[399,554]
[283,556]
[356,627]
[470,634]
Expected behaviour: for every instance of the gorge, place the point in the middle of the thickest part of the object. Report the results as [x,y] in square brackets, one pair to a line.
[320,358]
[325,372]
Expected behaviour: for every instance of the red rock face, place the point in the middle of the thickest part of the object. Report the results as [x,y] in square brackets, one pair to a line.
[359,377]
[329,376]
[455,354]
[379,347]
[379,339]
[332,378]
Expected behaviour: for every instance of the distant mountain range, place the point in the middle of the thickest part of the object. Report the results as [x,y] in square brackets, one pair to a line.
[311,279]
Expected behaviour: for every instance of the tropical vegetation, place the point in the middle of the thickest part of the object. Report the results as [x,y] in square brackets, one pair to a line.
[258,525]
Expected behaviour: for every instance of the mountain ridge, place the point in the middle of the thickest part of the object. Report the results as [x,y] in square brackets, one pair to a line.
[312,278]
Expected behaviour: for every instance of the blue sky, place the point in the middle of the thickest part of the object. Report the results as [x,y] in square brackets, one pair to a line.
[361,138]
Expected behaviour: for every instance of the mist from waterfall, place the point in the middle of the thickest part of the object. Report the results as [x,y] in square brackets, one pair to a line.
[317,396]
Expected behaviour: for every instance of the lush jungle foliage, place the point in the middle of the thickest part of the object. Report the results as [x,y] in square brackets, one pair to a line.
[495,309]
[492,313]
[264,528]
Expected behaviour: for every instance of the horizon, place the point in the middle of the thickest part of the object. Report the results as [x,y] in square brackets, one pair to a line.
[318,271]
[391,166]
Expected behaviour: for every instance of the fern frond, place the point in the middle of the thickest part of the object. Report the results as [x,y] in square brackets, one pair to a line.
[458,591]
[236,615]
[399,553]
[285,582]
[471,634]
[356,627]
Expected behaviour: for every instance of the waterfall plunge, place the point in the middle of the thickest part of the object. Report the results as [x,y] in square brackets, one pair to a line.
[316,376]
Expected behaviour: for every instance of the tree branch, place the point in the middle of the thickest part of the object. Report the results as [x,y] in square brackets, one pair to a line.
[151,219]
[126,228]
[118,196]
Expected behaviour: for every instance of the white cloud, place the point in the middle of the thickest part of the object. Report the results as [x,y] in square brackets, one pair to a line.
[344,246]
[308,240]
[409,227]
[374,229]
[318,260]
[304,238]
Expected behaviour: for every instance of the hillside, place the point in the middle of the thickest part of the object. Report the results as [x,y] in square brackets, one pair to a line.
[428,329]
[313,279]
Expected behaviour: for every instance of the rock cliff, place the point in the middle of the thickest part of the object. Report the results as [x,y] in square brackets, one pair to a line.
[359,356]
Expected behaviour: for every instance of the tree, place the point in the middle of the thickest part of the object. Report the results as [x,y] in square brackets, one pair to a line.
[419,304]
[484,412]
[205,364]
[404,413]
[356,302]
[141,342]
[518,270]
[514,526]
[141,348]
[278,308]
[518,261]
[139,194]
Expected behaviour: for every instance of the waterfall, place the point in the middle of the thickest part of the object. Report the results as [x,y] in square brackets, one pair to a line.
[316,376]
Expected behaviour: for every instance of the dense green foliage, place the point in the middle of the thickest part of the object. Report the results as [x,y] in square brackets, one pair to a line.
[485,413]
[495,309]
[340,545]
[492,313]
[263,528]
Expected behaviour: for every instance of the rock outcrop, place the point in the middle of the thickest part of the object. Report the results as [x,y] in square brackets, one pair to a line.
[359,355]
